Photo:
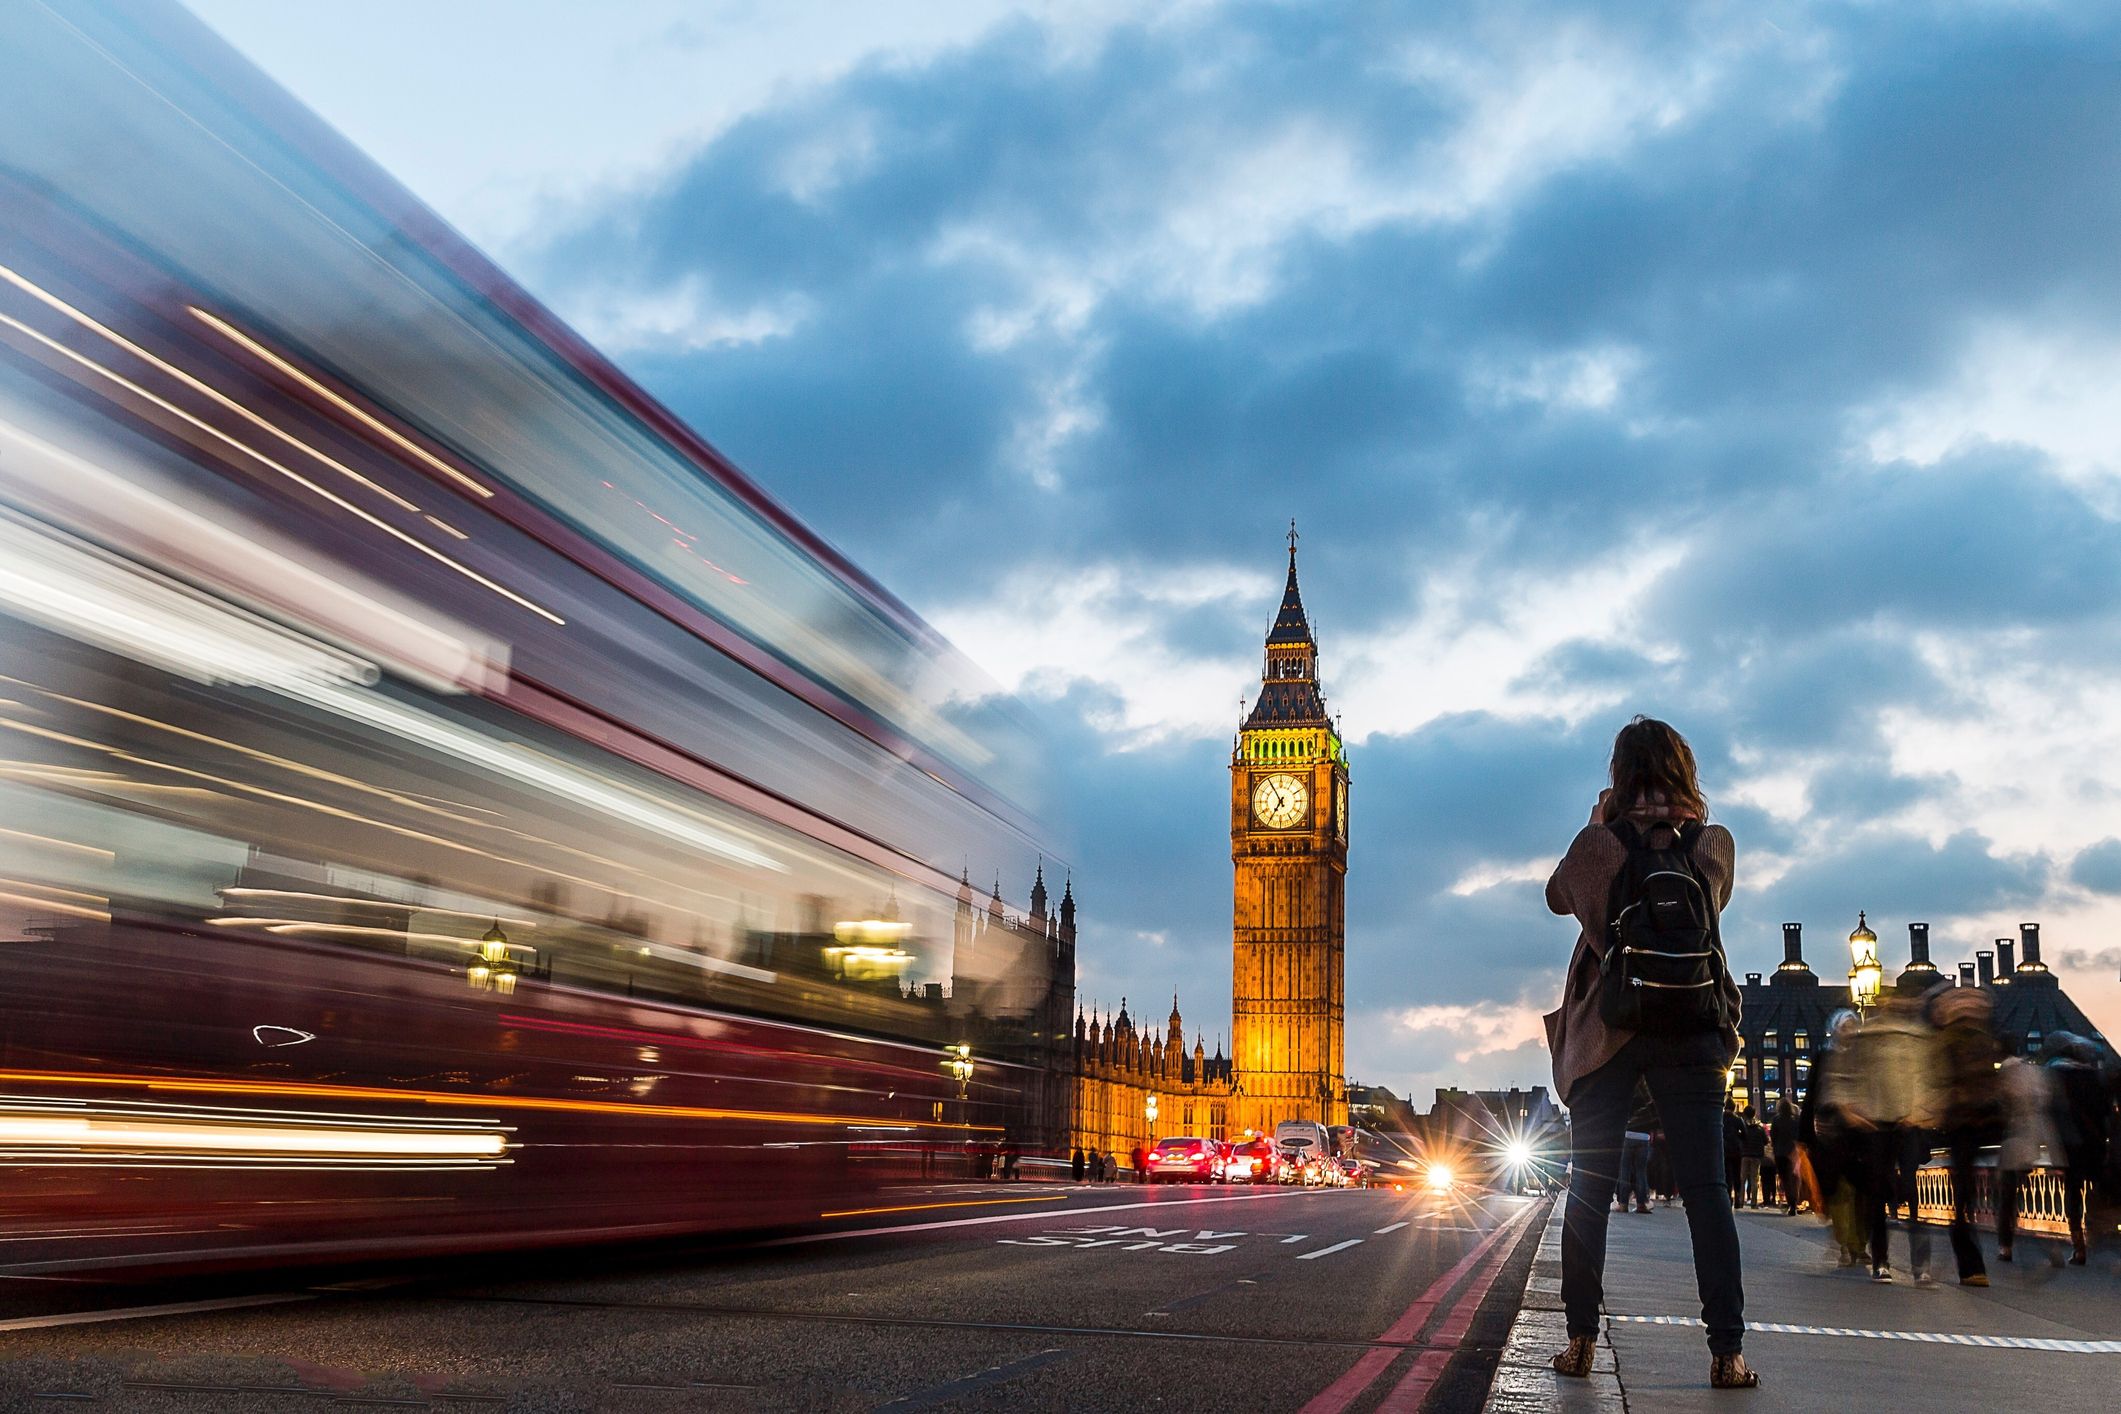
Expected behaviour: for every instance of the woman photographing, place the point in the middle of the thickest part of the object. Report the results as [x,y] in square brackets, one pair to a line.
[1648,997]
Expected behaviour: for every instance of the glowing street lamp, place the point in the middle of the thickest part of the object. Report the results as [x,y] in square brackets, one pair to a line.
[1866,977]
[494,969]
[1149,1110]
[960,1065]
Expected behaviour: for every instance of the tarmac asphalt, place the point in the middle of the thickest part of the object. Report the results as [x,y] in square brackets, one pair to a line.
[1020,1297]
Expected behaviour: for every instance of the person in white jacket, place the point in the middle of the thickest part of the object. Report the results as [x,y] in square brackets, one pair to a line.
[2028,1142]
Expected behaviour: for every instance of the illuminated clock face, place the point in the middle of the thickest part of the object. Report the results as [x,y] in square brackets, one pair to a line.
[1340,808]
[1280,801]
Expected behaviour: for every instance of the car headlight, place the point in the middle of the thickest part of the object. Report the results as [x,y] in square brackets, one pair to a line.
[1440,1177]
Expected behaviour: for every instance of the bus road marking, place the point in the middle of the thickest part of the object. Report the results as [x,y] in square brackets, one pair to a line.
[1329,1251]
[1082,1243]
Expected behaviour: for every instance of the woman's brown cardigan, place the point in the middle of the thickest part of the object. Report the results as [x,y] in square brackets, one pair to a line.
[1582,882]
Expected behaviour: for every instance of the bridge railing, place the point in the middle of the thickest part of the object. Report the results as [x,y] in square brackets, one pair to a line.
[2040,1196]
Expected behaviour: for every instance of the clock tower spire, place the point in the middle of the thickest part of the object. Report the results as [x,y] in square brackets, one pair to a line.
[1289,851]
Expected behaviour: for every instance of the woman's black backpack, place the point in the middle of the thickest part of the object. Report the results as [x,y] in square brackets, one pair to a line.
[1664,968]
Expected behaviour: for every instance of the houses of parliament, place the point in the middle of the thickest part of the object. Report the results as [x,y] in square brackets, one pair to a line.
[1289,825]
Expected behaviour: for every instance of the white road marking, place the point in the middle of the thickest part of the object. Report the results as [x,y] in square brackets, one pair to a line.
[1043,1215]
[140,1313]
[1383,1230]
[2000,1342]
[1329,1251]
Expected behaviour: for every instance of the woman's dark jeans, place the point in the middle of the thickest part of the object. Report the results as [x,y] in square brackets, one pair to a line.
[1686,1079]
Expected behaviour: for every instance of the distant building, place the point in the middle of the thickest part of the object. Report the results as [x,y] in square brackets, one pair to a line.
[1786,1014]
[1119,1067]
[1487,1117]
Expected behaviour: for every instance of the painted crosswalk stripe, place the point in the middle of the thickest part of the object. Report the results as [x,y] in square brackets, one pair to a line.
[1383,1230]
[1329,1251]
[1995,1342]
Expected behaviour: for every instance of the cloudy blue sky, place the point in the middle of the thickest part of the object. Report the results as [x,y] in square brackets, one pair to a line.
[1751,365]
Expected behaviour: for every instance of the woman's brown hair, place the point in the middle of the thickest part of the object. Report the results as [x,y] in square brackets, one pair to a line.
[1651,759]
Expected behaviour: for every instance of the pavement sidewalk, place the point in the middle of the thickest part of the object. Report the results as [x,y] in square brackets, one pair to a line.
[2044,1336]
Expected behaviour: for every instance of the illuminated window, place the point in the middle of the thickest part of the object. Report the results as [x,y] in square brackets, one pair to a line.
[1767,1040]
[1801,1041]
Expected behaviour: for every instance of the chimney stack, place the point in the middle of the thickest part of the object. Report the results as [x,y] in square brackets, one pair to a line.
[1985,965]
[2006,958]
[1966,974]
[1918,946]
[2029,955]
[1752,979]
[1793,945]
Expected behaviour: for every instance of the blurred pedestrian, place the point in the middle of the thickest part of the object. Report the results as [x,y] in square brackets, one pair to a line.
[1647,842]
[1076,1165]
[2029,1141]
[1782,1137]
[1752,1151]
[1973,1108]
[1141,1164]
[1635,1150]
[1767,1170]
[1829,1148]
[2081,1122]
[1887,1089]
[1661,1167]
[1733,1151]
[1112,1167]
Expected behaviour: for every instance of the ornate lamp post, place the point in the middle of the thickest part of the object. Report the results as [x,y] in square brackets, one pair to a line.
[1149,1113]
[494,969]
[961,1070]
[1866,977]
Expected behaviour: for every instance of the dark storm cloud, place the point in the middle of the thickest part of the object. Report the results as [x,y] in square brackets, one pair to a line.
[2098,867]
[1816,229]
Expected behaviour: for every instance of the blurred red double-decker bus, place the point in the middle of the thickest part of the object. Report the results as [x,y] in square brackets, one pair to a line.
[443,803]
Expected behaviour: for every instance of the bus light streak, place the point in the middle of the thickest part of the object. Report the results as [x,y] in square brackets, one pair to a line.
[440,1097]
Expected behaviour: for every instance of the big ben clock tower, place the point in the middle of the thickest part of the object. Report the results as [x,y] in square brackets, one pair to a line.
[1289,845]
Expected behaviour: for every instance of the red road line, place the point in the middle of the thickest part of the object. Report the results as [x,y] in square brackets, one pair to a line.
[1407,1396]
[1375,1361]
[1417,1315]
[1349,1387]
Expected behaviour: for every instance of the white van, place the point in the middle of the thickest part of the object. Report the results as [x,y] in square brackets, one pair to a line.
[1304,1151]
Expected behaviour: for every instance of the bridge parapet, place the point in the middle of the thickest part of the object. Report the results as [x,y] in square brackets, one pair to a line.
[2040,1196]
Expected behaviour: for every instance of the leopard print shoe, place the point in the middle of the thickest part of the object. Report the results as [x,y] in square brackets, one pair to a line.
[1575,1362]
[1730,1372]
